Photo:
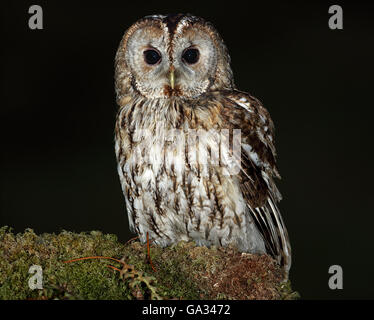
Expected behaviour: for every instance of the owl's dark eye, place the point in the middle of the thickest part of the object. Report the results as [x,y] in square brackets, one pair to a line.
[191,55]
[152,56]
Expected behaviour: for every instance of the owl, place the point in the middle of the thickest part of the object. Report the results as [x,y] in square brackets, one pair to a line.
[196,156]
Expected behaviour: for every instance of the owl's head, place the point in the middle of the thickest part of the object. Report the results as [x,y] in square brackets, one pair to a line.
[172,56]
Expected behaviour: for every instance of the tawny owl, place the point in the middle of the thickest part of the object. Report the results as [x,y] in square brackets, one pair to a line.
[196,157]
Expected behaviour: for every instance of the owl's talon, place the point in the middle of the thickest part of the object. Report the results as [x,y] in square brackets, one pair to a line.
[149,254]
[132,239]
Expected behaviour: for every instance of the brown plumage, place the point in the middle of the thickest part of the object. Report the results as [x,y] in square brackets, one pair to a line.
[196,157]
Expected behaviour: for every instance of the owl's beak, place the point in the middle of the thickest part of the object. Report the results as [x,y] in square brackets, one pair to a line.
[171,78]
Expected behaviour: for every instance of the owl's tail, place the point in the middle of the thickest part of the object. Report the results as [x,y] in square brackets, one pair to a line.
[270,224]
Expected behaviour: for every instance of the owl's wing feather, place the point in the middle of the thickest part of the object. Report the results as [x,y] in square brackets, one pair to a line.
[258,168]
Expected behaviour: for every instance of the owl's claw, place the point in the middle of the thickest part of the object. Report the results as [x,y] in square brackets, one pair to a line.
[149,254]
[132,239]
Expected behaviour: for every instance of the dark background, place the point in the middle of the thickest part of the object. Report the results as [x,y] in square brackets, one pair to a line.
[58,168]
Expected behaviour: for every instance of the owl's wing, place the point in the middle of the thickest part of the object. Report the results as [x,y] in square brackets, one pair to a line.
[258,168]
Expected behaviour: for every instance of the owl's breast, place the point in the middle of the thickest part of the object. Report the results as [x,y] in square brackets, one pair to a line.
[180,183]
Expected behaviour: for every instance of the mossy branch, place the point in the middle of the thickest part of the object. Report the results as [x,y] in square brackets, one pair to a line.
[184,271]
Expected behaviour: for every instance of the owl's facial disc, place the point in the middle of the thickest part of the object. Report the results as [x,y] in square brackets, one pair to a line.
[184,59]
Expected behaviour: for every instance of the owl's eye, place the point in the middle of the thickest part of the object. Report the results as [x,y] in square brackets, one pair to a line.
[191,55]
[152,56]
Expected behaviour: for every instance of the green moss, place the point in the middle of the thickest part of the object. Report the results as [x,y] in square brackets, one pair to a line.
[81,280]
[184,271]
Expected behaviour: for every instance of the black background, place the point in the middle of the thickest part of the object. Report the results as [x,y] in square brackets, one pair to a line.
[58,168]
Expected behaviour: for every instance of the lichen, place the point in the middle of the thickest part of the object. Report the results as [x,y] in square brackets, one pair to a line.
[183,271]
